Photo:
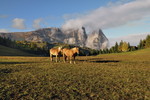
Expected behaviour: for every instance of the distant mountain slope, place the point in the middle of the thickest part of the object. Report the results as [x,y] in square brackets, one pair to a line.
[6,51]
[95,40]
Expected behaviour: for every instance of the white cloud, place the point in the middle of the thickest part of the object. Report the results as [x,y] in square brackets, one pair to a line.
[36,23]
[133,39]
[111,16]
[71,16]
[18,23]
[4,30]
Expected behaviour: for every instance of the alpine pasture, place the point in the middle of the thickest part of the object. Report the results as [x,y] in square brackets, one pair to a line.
[120,76]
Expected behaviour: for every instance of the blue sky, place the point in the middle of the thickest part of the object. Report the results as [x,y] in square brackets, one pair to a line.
[117,18]
[51,11]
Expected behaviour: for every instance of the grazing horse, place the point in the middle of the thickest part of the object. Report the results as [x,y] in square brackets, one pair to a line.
[70,53]
[56,52]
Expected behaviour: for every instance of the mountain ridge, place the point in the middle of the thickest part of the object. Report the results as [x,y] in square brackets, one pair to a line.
[95,40]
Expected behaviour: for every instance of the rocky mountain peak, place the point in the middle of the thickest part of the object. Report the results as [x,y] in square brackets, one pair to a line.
[76,37]
[79,37]
[97,40]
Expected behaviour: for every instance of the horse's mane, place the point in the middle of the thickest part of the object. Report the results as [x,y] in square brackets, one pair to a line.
[74,48]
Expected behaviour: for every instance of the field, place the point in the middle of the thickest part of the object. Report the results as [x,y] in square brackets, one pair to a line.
[124,76]
[6,51]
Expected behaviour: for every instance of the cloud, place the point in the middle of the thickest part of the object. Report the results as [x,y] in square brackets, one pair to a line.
[4,30]
[36,23]
[133,39]
[71,16]
[18,23]
[111,16]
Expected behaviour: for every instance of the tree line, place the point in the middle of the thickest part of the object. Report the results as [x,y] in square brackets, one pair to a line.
[39,48]
[42,48]
[125,46]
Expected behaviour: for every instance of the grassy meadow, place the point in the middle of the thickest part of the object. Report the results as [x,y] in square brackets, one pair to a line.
[122,76]
[7,51]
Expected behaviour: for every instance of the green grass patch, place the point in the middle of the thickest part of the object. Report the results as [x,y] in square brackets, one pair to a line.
[108,77]
[6,51]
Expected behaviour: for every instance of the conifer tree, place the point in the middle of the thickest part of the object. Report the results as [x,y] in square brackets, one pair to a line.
[120,46]
[116,47]
[129,47]
[140,46]
[147,42]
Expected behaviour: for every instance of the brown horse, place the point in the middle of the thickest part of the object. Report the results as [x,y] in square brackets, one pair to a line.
[70,53]
[56,52]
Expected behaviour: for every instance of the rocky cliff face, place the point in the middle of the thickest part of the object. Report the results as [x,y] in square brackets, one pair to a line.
[76,37]
[95,40]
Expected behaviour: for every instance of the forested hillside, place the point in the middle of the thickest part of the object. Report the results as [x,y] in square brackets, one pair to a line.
[42,48]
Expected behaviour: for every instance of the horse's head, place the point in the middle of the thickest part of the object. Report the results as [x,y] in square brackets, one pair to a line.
[59,48]
[76,50]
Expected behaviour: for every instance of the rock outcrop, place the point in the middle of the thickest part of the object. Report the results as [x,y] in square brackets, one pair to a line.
[95,40]
[76,37]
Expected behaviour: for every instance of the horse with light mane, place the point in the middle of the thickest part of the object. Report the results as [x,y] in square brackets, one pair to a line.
[70,53]
[56,52]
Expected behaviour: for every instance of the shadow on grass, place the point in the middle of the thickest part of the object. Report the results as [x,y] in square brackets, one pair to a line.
[14,62]
[105,61]
[19,55]
[5,71]
[99,60]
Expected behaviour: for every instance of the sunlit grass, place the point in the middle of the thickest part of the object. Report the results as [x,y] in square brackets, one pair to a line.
[112,76]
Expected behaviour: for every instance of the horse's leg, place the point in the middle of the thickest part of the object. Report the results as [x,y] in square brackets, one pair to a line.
[64,57]
[51,57]
[59,58]
[74,60]
[56,58]
[70,60]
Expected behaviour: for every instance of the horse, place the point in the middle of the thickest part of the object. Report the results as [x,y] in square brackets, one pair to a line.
[70,53]
[56,52]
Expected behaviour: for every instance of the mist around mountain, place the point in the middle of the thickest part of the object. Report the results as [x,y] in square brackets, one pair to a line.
[95,40]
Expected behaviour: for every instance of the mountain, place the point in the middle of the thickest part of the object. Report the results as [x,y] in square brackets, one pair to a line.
[76,37]
[95,40]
